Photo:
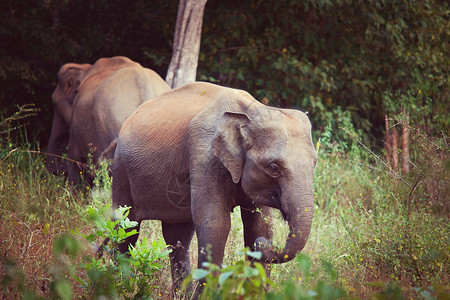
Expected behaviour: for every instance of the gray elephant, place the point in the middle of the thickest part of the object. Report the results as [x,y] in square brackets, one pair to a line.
[91,102]
[190,156]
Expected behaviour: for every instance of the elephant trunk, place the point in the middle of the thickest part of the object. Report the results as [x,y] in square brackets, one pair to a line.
[58,141]
[299,213]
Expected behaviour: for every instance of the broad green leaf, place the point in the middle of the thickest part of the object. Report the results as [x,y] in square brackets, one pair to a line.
[254,254]
[250,272]
[199,274]
[224,276]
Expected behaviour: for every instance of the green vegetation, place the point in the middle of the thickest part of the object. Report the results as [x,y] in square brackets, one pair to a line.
[113,275]
[330,56]
[361,69]
[376,233]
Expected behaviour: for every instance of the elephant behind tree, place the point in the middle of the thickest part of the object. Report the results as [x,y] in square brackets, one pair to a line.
[190,156]
[91,102]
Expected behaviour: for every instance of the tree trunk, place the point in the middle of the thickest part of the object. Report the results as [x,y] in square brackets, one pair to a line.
[186,44]
[387,142]
[405,143]
[394,140]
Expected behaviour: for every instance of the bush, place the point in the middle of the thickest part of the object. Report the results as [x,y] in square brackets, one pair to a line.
[115,274]
[239,280]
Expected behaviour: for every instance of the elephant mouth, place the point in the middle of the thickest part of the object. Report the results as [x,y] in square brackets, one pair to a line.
[270,198]
[275,199]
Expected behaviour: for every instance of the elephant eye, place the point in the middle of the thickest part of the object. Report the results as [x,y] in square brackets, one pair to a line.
[273,169]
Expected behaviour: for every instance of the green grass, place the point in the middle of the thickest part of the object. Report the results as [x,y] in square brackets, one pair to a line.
[374,225]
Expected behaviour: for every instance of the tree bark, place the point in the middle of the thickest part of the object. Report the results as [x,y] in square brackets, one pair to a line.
[394,139]
[405,143]
[387,142]
[186,44]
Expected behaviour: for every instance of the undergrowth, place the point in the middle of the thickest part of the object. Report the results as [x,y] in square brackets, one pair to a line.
[377,233]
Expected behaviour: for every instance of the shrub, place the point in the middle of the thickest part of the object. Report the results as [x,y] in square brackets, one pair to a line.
[240,280]
[115,274]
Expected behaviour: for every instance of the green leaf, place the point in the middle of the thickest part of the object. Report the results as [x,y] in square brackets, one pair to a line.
[262,272]
[304,262]
[63,289]
[254,254]
[224,276]
[121,233]
[90,238]
[46,228]
[250,272]
[199,274]
[81,281]
[66,244]
[256,282]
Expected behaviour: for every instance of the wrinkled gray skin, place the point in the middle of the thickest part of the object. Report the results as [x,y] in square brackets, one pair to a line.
[190,156]
[91,102]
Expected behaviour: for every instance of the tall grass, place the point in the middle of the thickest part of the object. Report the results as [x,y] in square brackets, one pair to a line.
[379,230]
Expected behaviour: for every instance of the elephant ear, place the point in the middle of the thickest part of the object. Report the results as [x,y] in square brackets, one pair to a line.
[70,88]
[70,77]
[73,80]
[230,143]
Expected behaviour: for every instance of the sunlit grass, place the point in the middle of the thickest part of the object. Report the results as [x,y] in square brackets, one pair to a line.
[367,223]
[35,208]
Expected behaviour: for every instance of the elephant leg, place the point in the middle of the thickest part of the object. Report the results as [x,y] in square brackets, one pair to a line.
[78,175]
[212,233]
[178,237]
[76,167]
[257,224]
[121,197]
[74,172]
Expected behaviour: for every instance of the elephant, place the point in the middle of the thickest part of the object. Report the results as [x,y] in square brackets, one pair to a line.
[91,102]
[190,156]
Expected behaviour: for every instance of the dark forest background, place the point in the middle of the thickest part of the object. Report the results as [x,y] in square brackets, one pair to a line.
[348,63]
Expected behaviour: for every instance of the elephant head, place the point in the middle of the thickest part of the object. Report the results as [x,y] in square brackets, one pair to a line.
[272,157]
[69,78]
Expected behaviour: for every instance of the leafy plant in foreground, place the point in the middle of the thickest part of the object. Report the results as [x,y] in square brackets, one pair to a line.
[307,288]
[247,280]
[241,280]
[114,275]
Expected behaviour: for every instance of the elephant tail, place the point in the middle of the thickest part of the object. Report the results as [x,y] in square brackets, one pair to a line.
[108,153]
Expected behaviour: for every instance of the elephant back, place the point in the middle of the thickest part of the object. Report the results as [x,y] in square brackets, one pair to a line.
[104,67]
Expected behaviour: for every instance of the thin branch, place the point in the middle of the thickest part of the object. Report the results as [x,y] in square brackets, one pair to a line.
[227,49]
[376,156]
[13,150]
[48,237]
[80,164]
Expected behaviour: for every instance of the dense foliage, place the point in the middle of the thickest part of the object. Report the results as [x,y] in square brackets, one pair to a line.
[330,56]
[38,37]
[343,61]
